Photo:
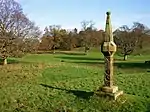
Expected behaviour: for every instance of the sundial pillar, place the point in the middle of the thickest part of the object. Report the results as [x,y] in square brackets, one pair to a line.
[108,49]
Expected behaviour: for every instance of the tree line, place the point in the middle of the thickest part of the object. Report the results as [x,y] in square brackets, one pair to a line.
[19,35]
[127,39]
[55,37]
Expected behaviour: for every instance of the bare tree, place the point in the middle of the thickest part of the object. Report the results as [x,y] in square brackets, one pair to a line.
[128,39]
[46,43]
[14,28]
[140,31]
[125,41]
[86,34]
[56,33]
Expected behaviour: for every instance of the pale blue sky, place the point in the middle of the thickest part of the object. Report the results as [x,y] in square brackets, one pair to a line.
[70,13]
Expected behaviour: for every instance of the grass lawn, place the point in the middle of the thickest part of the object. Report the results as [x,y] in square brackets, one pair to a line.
[66,82]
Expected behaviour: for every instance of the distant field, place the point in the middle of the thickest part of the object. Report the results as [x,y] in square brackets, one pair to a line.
[65,83]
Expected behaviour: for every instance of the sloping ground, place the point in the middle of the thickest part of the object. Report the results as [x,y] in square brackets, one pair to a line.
[63,82]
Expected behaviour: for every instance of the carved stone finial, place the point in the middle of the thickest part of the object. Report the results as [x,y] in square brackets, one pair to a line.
[108,28]
[108,13]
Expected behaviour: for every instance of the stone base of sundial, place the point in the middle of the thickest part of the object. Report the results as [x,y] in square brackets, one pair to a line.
[111,92]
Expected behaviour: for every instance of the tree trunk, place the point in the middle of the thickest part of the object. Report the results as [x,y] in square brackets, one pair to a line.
[85,51]
[125,57]
[53,50]
[4,61]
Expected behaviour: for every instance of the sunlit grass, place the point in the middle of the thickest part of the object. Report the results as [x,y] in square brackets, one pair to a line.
[59,82]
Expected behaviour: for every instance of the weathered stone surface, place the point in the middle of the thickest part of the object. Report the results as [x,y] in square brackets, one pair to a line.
[108,49]
[112,89]
[113,96]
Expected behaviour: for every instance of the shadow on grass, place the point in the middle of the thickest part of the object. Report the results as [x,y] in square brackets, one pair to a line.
[100,61]
[84,58]
[132,65]
[148,108]
[78,93]
[71,53]
[9,61]
[12,61]
[79,58]
[61,52]
[124,65]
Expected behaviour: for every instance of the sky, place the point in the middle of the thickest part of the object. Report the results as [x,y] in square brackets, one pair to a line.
[70,13]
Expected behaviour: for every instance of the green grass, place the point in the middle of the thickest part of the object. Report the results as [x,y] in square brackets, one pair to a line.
[66,83]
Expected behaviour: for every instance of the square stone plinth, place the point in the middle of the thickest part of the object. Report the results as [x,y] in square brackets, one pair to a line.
[112,89]
[111,92]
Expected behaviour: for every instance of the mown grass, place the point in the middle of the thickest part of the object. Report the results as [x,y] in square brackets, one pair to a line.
[67,82]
